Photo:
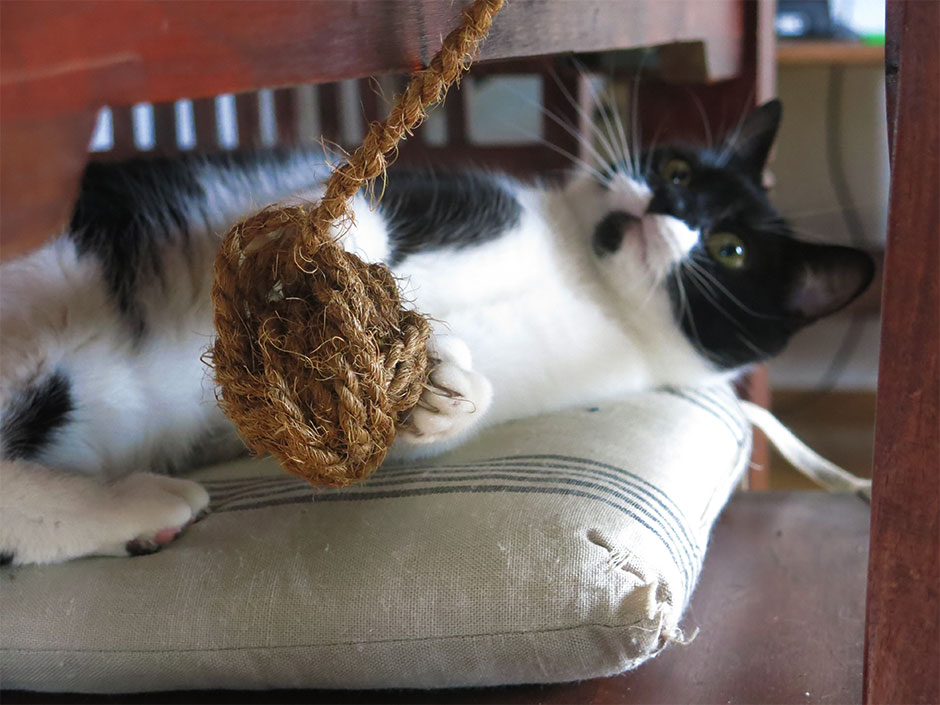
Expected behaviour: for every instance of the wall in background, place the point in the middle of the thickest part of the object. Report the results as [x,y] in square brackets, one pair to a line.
[804,192]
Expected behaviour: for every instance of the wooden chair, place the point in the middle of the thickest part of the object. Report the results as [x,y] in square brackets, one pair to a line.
[902,655]
[781,601]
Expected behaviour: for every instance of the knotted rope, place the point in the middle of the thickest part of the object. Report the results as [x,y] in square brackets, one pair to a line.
[317,360]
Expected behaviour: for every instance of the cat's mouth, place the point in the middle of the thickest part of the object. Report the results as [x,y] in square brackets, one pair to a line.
[656,241]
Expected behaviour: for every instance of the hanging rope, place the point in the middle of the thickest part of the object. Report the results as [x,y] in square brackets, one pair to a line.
[317,360]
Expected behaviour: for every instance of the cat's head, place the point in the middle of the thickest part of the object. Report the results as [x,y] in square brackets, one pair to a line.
[694,226]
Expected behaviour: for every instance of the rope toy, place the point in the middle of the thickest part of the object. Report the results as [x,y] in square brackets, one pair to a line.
[317,360]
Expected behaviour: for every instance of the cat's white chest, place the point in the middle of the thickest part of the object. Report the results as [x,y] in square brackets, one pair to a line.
[534,330]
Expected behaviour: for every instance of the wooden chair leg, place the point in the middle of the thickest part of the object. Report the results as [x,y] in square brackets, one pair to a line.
[903,609]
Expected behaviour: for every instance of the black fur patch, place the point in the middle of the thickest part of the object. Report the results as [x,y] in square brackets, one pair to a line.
[609,233]
[738,316]
[125,213]
[128,212]
[6,558]
[428,211]
[34,415]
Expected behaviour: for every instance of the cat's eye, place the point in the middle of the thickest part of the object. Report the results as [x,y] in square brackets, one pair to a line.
[677,172]
[727,250]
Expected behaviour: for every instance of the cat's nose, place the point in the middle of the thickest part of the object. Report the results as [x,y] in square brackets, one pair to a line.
[666,203]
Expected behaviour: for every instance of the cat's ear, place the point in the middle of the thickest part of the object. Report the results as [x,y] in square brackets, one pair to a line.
[827,279]
[750,145]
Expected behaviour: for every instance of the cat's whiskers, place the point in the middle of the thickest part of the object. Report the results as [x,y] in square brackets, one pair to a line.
[710,296]
[629,157]
[651,149]
[602,162]
[607,141]
[635,113]
[624,156]
[789,228]
[576,160]
[756,349]
[601,177]
[650,284]
[829,210]
[697,102]
[708,275]
[706,283]
[622,135]
[621,156]
[731,142]
[602,171]
[685,309]
[810,236]
[741,329]
[675,247]
[691,267]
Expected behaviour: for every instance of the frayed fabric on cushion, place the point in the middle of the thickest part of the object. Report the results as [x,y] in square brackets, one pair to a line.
[552,549]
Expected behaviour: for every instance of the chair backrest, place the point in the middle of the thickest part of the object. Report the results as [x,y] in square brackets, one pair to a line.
[902,651]
[466,129]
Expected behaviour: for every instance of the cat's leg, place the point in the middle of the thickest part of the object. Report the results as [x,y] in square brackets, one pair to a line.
[49,517]
[452,406]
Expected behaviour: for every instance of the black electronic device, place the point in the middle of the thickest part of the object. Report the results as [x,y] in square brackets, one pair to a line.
[809,19]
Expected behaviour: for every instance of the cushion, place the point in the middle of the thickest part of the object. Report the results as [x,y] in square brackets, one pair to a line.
[551,549]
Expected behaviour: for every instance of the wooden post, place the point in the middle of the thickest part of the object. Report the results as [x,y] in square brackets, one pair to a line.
[902,651]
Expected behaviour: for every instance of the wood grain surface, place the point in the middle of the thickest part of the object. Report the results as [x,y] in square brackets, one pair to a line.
[61,58]
[829,53]
[903,615]
[41,160]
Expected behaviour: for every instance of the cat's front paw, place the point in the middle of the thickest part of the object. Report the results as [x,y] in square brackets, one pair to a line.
[163,506]
[455,399]
[50,517]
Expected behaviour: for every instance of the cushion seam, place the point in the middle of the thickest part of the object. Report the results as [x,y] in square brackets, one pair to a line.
[331,643]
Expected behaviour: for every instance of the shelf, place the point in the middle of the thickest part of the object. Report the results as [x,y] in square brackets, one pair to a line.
[829,52]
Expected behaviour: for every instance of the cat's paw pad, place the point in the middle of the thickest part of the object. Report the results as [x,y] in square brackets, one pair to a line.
[141,546]
[58,517]
[455,399]
[156,510]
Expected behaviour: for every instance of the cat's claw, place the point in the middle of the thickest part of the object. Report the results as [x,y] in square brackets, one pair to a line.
[455,399]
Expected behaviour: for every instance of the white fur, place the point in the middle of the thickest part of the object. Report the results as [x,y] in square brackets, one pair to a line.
[50,516]
[531,322]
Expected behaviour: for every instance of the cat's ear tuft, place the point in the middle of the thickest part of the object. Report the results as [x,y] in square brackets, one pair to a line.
[750,145]
[829,278]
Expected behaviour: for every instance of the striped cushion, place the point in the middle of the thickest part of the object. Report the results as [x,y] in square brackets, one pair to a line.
[552,549]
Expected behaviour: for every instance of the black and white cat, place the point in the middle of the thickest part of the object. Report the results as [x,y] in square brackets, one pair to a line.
[671,269]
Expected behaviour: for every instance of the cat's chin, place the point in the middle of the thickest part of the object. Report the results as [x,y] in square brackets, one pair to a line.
[648,247]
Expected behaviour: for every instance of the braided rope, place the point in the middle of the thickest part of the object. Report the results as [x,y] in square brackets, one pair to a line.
[316,358]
